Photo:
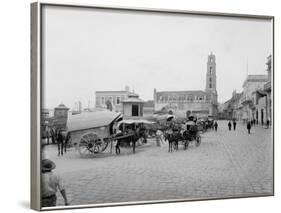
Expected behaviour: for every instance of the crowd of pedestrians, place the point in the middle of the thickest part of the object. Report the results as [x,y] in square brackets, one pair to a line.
[249,124]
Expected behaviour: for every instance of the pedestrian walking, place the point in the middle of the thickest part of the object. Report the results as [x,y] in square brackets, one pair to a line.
[51,182]
[229,126]
[159,139]
[117,145]
[234,125]
[249,127]
[216,125]
[60,141]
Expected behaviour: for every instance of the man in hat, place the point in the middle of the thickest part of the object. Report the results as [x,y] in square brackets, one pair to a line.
[51,182]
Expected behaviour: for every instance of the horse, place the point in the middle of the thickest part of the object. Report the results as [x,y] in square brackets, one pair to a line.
[133,138]
[172,139]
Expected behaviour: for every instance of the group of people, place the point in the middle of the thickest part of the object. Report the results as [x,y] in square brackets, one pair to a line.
[230,125]
[248,125]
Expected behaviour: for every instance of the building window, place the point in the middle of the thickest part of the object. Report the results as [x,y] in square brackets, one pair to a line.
[210,85]
[111,99]
[102,100]
[211,70]
[117,100]
[210,79]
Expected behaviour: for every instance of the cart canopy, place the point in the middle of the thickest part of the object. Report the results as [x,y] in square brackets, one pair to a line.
[132,121]
[89,120]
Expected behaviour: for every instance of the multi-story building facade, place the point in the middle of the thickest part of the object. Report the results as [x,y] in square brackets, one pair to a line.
[267,89]
[253,107]
[199,103]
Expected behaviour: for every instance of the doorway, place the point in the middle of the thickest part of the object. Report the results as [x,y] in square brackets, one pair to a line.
[135,110]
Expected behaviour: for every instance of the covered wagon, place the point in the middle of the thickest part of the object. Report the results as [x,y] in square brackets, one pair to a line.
[91,132]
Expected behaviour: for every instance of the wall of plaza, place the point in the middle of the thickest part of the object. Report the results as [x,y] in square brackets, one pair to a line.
[199,108]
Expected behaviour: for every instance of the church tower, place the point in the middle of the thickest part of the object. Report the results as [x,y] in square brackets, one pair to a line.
[211,84]
[211,81]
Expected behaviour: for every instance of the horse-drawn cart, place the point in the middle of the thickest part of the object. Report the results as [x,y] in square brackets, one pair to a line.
[91,132]
[192,132]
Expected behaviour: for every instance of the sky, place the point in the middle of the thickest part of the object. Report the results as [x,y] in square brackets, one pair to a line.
[87,50]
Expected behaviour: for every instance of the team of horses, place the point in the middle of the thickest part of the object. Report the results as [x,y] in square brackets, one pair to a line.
[174,136]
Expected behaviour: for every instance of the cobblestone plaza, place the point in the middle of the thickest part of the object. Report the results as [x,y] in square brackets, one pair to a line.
[226,164]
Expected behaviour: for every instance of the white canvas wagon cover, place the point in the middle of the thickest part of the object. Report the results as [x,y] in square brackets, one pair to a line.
[91,120]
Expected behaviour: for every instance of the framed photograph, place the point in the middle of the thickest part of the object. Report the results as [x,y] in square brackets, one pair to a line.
[140,106]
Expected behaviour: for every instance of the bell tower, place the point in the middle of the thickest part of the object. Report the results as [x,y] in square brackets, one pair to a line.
[211,81]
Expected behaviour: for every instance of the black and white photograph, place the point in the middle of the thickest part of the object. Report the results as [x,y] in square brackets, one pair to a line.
[146,106]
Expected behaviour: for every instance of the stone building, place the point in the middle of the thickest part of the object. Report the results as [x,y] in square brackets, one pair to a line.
[112,100]
[262,97]
[267,90]
[253,106]
[232,107]
[196,102]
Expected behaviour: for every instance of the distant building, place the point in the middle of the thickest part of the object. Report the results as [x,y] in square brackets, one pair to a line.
[148,107]
[112,100]
[251,109]
[232,107]
[267,90]
[198,103]
[77,108]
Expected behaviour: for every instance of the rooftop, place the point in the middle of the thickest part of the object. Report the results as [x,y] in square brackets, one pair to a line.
[198,92]
[111,91]
[255,78]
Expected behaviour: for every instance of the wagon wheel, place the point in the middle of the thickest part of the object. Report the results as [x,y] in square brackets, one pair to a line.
[90,143]
[198,140]
[105,143]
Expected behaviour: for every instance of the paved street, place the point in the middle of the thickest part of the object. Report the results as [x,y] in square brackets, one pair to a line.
[225,164]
